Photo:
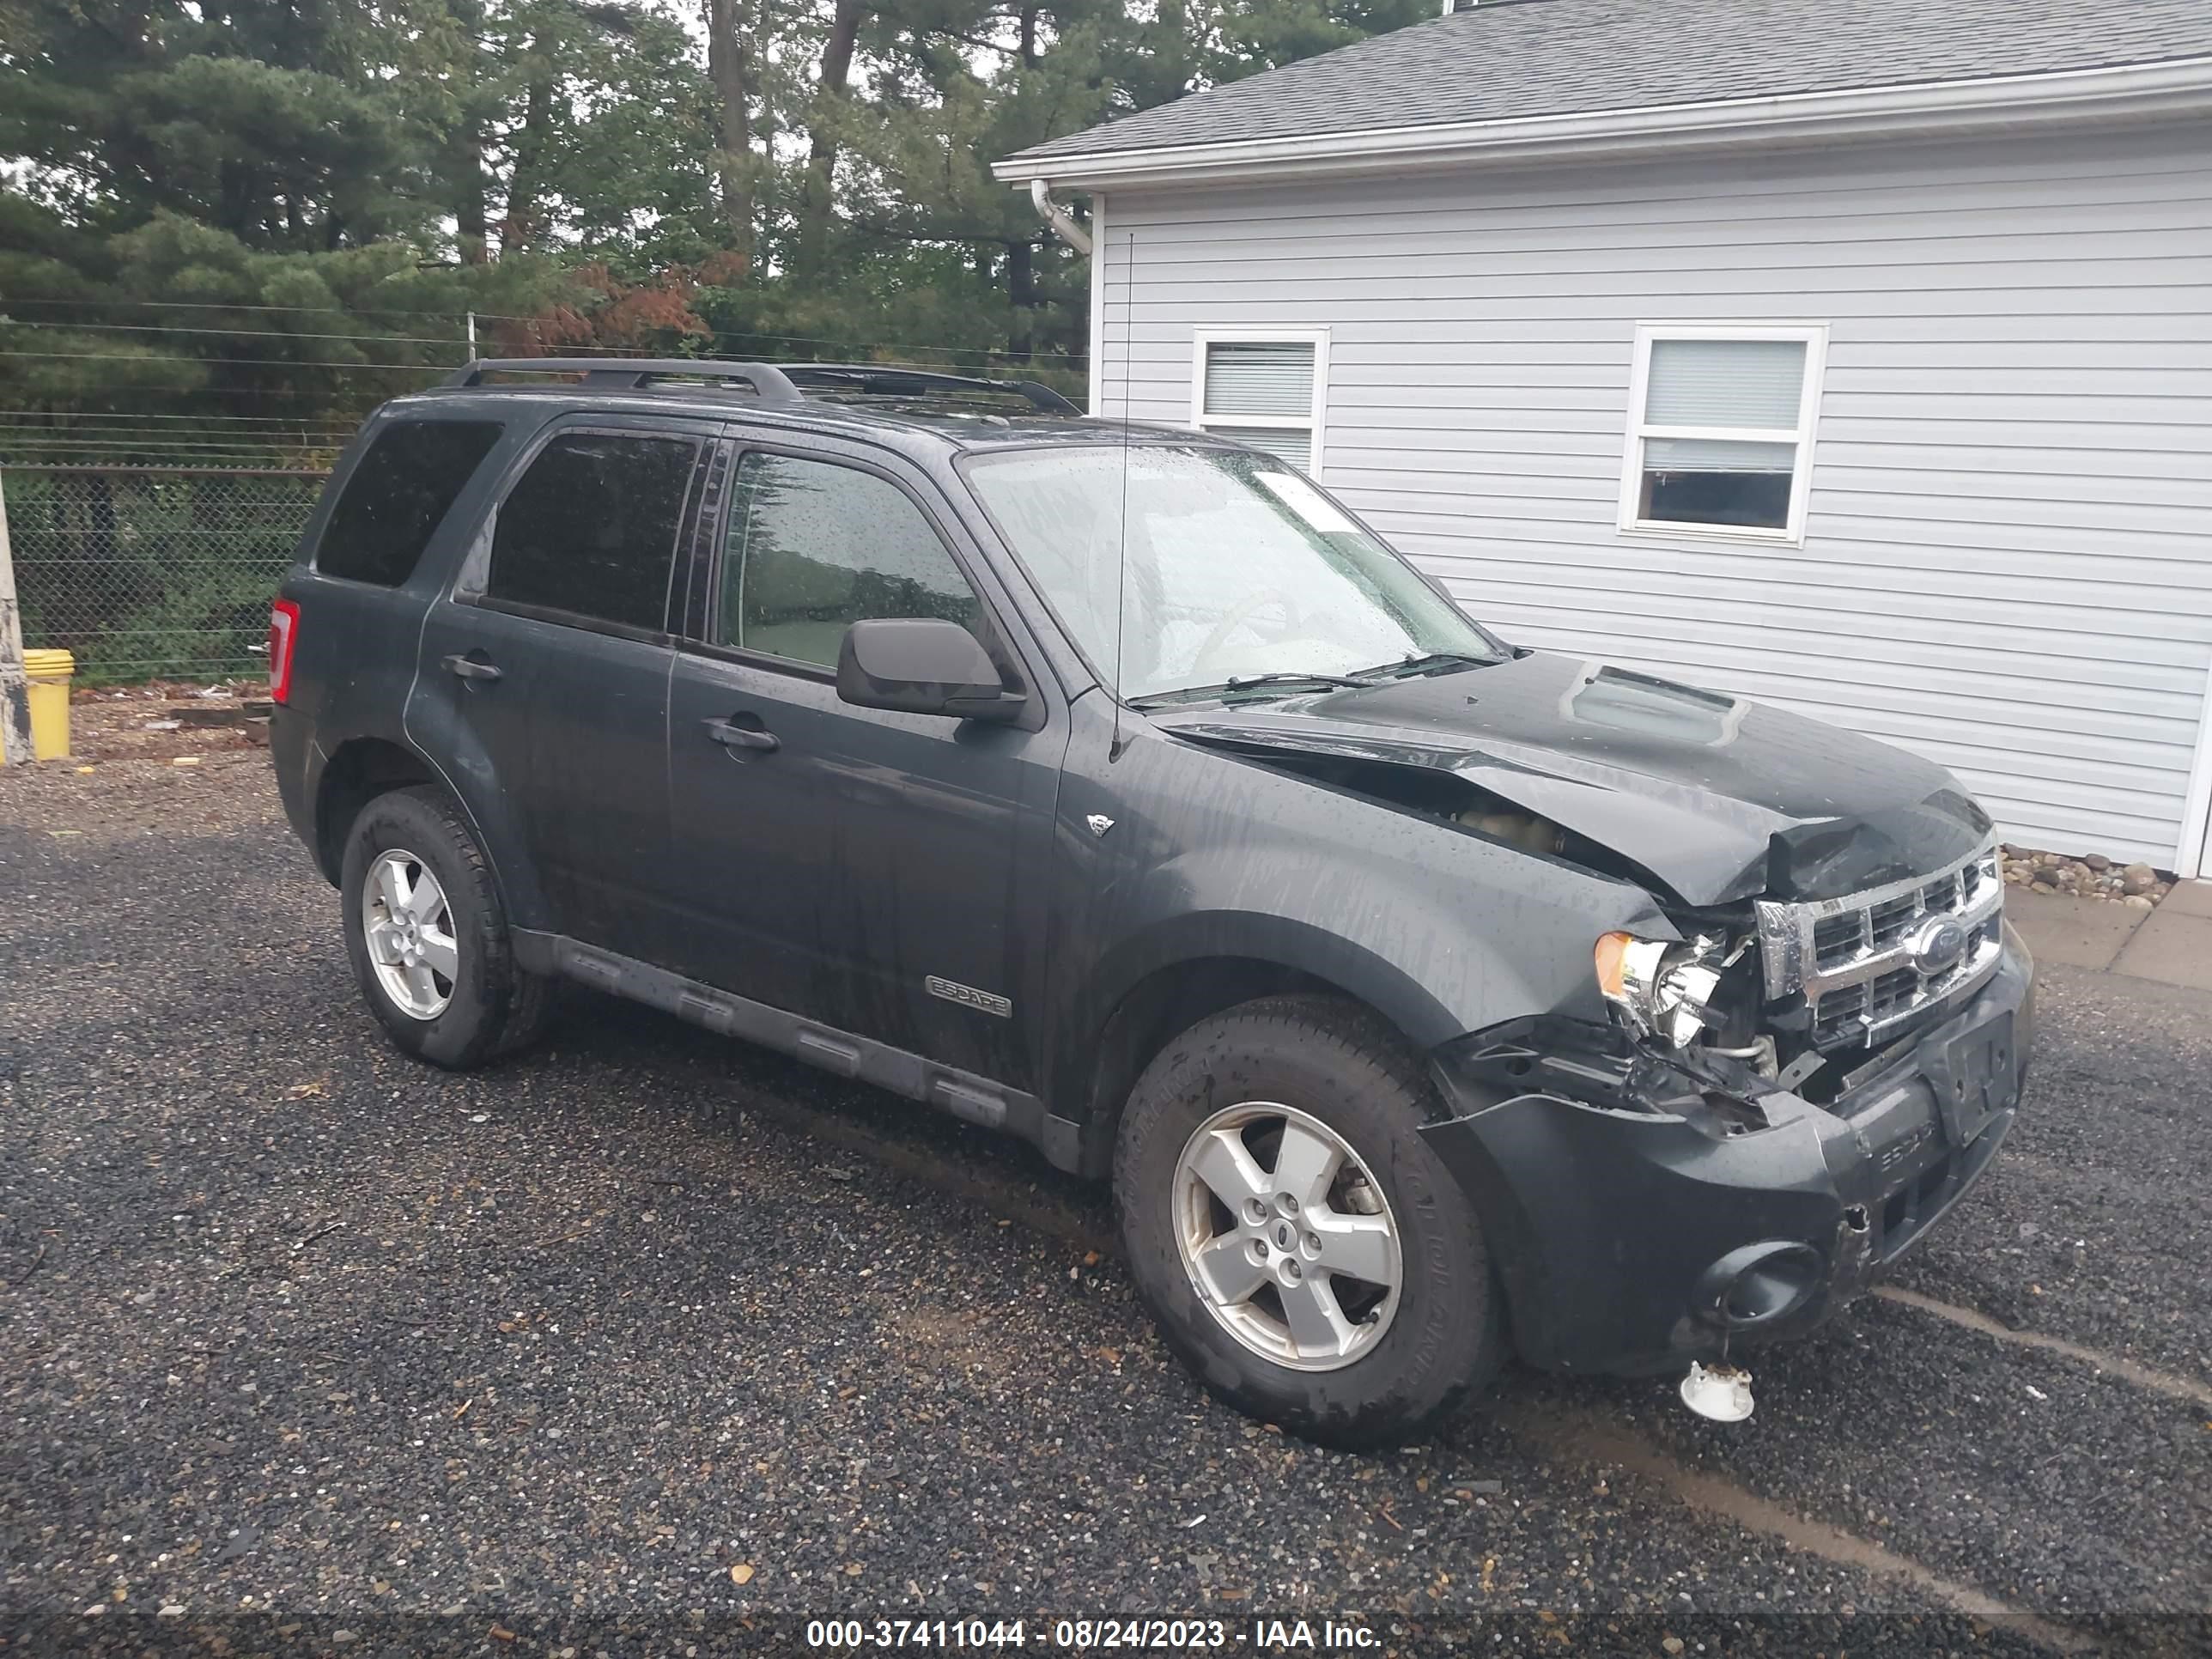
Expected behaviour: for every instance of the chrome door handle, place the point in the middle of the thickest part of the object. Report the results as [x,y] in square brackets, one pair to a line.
[730,735]
[469,669]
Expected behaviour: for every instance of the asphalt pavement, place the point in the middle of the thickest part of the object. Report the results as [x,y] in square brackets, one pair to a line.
[649,1343]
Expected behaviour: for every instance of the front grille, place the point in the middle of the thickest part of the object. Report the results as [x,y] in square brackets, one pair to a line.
[1887,921]
[1840,939]
[1871,962]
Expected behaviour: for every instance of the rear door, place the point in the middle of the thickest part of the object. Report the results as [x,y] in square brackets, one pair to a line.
[876,871]
[555,647]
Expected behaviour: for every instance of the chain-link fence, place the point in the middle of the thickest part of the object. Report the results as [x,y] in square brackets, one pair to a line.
[148,572]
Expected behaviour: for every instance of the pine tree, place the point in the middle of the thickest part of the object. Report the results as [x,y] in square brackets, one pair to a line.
[286,207]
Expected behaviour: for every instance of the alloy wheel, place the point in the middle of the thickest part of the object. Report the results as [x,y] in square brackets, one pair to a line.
[1288,1239]
[408,925]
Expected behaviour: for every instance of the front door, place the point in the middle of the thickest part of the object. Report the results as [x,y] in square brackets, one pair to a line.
[862,868]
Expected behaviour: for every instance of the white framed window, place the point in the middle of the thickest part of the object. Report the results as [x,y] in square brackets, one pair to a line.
[1721,421]
[1263,386]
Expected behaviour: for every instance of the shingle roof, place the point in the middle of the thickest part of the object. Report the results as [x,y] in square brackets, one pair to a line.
[1508,59]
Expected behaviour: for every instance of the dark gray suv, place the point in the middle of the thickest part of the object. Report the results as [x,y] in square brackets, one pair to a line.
[1427,998]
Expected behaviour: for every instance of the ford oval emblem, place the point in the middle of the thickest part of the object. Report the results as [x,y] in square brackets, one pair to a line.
[1935,945]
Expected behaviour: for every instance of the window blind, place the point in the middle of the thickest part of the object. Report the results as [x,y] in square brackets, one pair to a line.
[1755,383]
[1294,446]
[1259,377]
[1715,455]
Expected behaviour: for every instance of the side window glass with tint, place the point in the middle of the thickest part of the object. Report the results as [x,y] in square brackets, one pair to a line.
[590,528]
[814,548]
[398,495]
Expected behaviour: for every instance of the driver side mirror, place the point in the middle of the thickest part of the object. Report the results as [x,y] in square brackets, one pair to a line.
[922,665]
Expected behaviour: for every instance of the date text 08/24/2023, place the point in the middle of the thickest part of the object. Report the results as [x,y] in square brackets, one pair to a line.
[1092,1635]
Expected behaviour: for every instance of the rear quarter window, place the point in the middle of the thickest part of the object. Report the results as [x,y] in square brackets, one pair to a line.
[397,496]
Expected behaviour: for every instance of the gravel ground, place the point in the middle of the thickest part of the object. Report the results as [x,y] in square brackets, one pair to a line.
[165,720]
[647,1343]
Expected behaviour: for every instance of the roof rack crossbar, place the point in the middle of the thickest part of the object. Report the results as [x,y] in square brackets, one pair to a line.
[895,378]
[769,382]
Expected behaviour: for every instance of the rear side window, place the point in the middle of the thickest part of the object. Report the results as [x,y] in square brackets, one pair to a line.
[397,496]
[590,528]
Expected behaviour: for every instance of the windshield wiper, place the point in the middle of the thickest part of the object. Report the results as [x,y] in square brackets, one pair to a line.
[1245,682]
[1249,682]
[1436,662]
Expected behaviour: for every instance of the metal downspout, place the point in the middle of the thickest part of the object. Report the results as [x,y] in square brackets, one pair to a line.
[1062,222]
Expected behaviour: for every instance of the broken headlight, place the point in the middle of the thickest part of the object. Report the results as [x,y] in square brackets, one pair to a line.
[1664,988]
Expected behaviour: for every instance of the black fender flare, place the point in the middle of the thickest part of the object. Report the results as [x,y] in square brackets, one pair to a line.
[490,818]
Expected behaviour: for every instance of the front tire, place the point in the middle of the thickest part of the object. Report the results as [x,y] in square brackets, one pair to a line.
[428,936]
[1302,1247]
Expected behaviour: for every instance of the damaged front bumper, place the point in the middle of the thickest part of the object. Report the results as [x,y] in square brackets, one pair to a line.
[1635,1241]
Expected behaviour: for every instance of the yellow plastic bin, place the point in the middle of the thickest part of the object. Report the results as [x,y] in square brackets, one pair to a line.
[49,672]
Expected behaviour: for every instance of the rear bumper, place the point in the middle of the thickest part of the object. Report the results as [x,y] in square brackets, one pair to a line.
[292,752]
[1635,1241]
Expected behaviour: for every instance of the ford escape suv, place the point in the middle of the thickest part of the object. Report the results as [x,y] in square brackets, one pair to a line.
[1426,999]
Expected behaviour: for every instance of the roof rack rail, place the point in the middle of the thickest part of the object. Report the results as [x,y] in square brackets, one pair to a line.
[769,382]
[889,379]
[772,382]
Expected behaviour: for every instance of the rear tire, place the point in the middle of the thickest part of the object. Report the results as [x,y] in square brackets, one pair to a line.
[1259,1297]
[428,936]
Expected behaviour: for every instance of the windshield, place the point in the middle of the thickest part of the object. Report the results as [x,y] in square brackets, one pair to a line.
[1233,567]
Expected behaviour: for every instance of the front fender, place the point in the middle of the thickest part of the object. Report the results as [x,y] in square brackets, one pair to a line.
[1440,930]
[1209,856]
[1280,940]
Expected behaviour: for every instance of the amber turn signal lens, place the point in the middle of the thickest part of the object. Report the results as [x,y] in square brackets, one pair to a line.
[1613,962]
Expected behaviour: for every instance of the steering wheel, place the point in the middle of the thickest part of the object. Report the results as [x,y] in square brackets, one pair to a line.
[1244,613]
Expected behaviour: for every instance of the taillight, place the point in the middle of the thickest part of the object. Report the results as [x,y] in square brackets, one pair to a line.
[283,633]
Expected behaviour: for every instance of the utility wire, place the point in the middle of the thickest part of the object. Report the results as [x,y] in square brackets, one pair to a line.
[256,426]
[106,304]
[537,323]
[117,414]
[121,444]
[325,363]
[239,333]
[243,362]
[210,432]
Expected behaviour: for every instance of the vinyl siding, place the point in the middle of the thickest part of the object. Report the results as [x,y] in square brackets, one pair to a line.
[2008,558]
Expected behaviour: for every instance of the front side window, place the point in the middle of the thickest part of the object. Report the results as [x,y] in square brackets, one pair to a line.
[590,528]
[1181,567]
[1266,390]
[1721,436]
[814,548]
[398,495]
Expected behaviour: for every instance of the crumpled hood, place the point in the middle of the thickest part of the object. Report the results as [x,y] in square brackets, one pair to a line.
[1719,798]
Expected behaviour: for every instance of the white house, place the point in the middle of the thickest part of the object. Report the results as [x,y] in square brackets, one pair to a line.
[1853,355]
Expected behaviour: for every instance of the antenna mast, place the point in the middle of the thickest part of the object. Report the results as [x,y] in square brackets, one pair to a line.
[1121,543]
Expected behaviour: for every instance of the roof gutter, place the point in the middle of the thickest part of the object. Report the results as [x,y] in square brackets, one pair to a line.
[2130,94]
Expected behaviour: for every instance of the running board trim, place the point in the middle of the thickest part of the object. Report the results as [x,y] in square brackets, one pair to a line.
[963,1094]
